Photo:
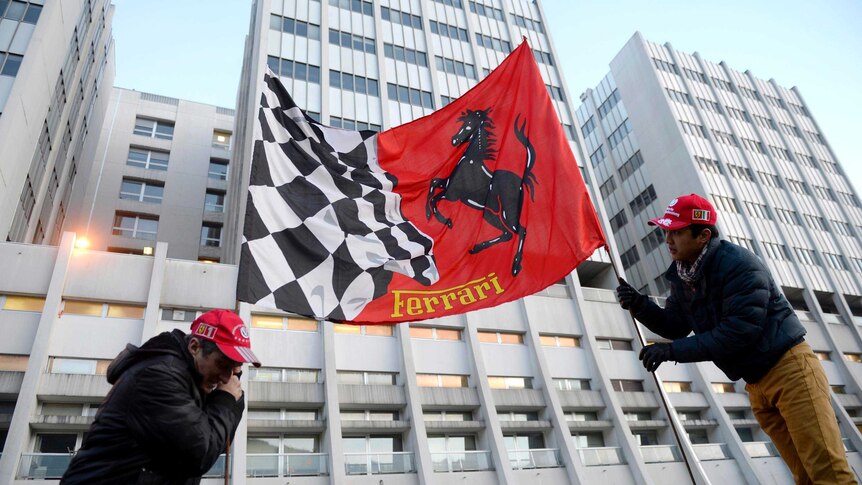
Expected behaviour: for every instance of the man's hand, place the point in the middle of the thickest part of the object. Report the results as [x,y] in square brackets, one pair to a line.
[629,297]
[653,355]
[232,386]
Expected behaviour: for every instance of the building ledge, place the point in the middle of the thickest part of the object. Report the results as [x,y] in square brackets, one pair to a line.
[282,392]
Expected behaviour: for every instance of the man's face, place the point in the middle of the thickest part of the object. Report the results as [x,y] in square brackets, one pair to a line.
[685,247]
[215,367]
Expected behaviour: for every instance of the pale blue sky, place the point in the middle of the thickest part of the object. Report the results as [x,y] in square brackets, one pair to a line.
[192,49]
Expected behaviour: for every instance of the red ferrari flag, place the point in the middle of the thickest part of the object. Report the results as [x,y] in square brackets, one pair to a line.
[477,204]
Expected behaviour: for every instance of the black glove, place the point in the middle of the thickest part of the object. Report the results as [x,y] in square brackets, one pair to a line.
[629,297]
[653,355]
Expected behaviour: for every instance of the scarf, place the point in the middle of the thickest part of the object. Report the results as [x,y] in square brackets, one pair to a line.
[690,274]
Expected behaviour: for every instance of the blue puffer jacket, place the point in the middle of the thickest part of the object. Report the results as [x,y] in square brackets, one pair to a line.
[740,319]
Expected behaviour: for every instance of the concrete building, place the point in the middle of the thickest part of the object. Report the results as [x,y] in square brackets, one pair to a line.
[56,58]
[160,172]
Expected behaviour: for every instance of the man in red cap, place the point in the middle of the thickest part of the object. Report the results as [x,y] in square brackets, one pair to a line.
[743,323]
[175,403]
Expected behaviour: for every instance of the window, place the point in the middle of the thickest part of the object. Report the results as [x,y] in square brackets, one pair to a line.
[666,66]
[838,389]
[367,378]
[722,84]
[727,204]
[510,382]
[724,137]
[643,200]
[556,93]
[447,416]
[619,220]
[630,257]
[608,104]
[61,365]
[416,97]
[689,415]
[709,105]
[608,187]
[441,380]
[275,322]
[214,201]
[299,71]
[142,191]
[487,11]
[450,31]
[221,139]
[138,226]
[852,357]
[419,58]
[626,385]
[676,386]
[633,163]
[13,363]
[500,337]
[653,240]
[359,6]
[154,129]
[283,414]
[494,43]
[148,159]
[9,64]
[567,384]
[403,18]
[376,330]
[807,256]
[823,355]
[590,440]
[581,416]
[435,333]
[369,415]
[614,344]
[450,66]
[211,235]
[559,341]
[679,96]
[125,311]
[588,126]
[619,134]
[598,155]
[296,27]
[695,75]
[23,303]
[723,387]
[755,209]
[352,41]
[284,374]
[349,124]
[218,169]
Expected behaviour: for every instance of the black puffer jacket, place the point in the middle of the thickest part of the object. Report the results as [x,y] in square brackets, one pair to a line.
[155,426]
[741,320]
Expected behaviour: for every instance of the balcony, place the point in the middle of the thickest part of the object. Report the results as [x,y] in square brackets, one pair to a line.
[711,451]
[379,463]
[462,461]
[217,470]
[43,466]
[760,449]
[286,465]
[660,454]
[601,456]
[535,458]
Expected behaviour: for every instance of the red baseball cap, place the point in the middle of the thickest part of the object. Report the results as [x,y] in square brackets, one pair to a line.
[228,332]
[684,211]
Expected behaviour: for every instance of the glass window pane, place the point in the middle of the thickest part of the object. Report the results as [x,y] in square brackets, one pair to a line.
[62,409]
[427,380]
[350,377]
[72,366]
[265,374]
[299,376]
[447,334]
[56,443]
[10,68]
[260,444]
[82,308]
[568,341]
[345,328]
[497,382]
[421,332]
[347,82]
[267,321]
[453,381]
[301,415]
[125,311]
[296,444]
[24,303]
[372,88]
[415,97]
[489,337]
[360,85]
[303,324]
[13,363]
[379,330]
[381,379]
[511,338]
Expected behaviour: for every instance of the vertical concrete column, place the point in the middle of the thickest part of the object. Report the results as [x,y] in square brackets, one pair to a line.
[499,453]
[568,453]
[417,435]
[19,429]
[331,412]
[154,295]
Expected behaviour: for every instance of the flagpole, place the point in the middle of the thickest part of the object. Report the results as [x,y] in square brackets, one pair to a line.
[658,383]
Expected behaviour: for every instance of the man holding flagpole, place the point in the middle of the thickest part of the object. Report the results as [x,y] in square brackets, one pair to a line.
[743,323]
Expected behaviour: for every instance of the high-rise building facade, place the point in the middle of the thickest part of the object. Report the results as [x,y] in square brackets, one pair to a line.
[160,171]
[56,60]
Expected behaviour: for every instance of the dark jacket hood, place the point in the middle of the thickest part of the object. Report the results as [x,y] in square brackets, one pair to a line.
[166,343]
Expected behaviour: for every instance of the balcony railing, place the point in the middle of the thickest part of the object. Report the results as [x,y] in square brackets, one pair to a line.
[461,461]
[660,453]
[711,451]
[286,465]
[760,449]
[217,470]
[379,463]
[43,465]
[535,458]
[601,456]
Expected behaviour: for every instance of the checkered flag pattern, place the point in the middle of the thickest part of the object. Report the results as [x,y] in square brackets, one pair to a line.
[324,230]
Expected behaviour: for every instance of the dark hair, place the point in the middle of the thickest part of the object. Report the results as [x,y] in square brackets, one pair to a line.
[207,346]
[697,229]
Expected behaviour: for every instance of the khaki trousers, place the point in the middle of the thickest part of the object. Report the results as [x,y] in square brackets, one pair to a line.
[792,403]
